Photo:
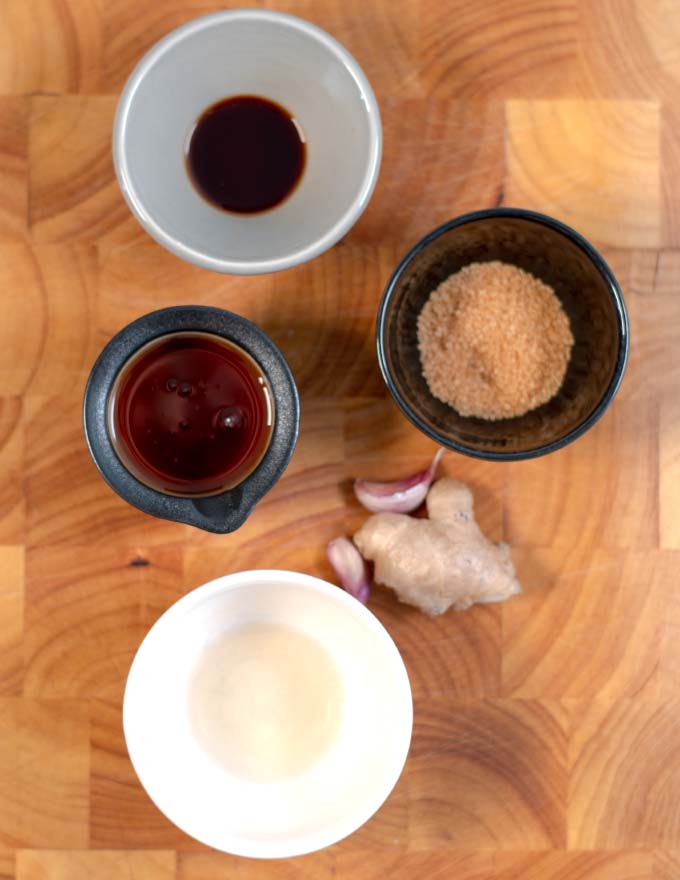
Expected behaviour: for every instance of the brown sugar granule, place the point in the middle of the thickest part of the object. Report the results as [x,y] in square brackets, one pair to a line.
[494,341]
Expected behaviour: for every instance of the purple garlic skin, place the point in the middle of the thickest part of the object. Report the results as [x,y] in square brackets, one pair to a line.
[350,568]
[399,496]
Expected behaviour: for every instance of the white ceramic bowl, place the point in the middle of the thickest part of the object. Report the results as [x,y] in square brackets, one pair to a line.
[338,792]
[276,56]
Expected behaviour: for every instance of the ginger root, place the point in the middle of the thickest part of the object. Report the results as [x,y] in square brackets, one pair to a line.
[440,562]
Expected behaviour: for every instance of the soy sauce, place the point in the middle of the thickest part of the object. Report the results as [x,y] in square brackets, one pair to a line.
[191,414]
[246,154]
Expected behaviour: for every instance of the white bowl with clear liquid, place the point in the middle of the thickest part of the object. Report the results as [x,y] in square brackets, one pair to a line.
[209,796]
[247,52]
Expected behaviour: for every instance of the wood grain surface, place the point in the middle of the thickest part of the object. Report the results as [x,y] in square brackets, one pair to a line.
[547,730]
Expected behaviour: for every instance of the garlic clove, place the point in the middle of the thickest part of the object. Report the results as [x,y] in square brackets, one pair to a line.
[350,568]
[399,496]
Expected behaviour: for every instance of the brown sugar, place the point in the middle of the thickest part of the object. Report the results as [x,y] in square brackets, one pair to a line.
[494,341]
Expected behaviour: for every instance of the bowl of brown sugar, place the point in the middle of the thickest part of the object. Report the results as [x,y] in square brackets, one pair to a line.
[503,334]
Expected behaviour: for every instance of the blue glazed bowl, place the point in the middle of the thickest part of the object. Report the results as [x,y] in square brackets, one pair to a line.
[223,512]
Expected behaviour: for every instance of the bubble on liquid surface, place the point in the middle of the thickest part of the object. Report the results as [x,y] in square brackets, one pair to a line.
[172,384]
[230,418]
[185,389]
[184,425]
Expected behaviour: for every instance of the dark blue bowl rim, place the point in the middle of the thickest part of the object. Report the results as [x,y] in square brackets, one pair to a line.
[617,298]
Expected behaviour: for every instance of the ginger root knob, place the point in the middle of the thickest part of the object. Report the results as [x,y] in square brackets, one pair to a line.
[440,562]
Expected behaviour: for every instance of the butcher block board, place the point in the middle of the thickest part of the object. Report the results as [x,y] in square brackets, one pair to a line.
[547,729]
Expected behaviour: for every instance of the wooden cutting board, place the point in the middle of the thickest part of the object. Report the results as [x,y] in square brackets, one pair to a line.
[547,731]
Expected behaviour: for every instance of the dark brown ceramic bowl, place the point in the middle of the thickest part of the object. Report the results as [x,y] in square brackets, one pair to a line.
[591,298]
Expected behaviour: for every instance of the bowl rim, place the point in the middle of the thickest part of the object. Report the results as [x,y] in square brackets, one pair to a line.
[251,266]
[614,291]
[299,844]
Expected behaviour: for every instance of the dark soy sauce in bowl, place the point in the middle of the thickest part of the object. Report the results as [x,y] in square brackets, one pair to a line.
[191,414]
[246,154]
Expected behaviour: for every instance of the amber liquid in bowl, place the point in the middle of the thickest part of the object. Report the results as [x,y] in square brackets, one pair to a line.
[191,414]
